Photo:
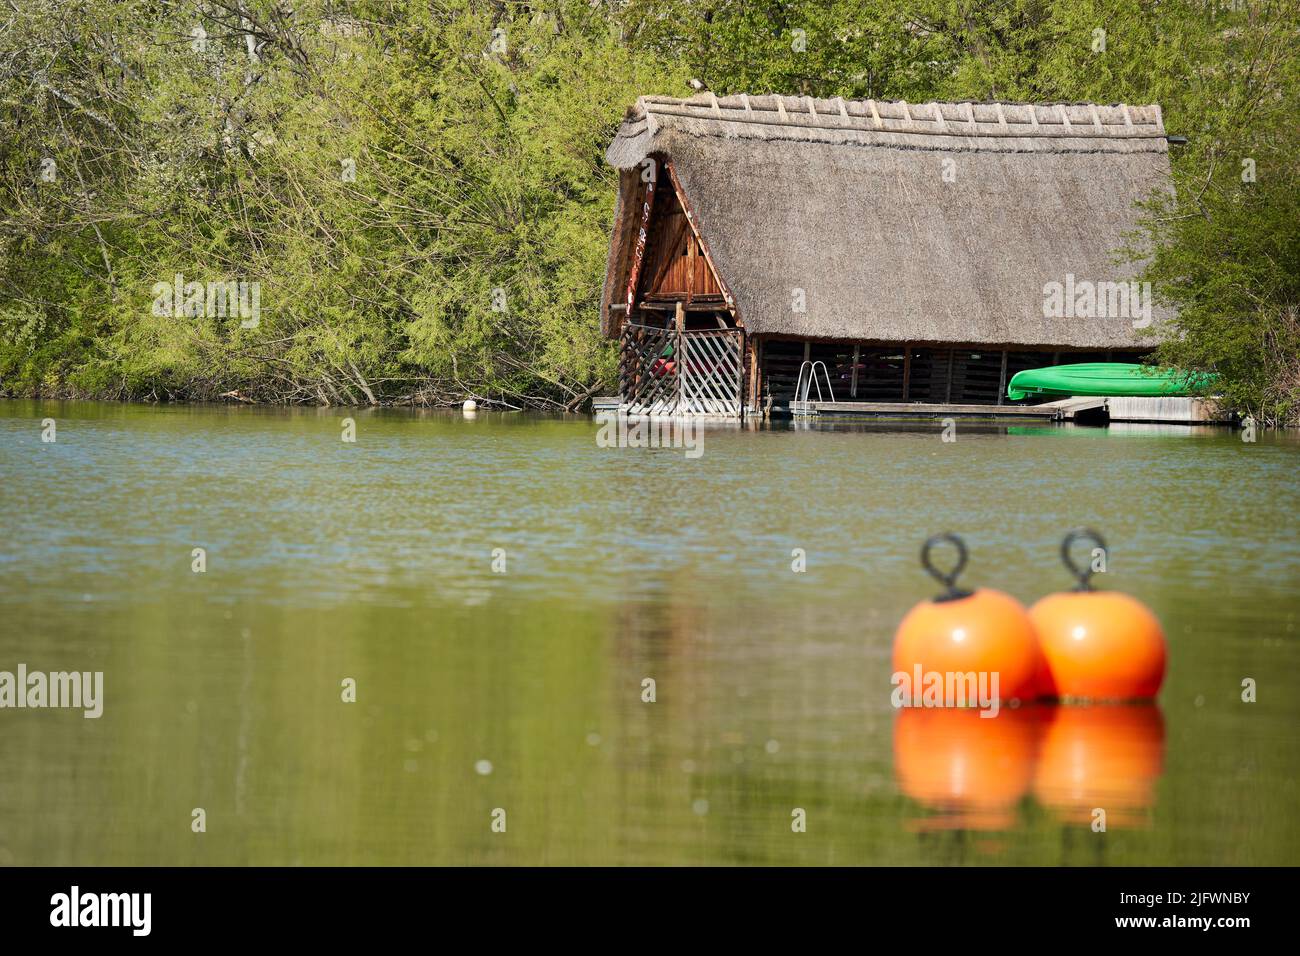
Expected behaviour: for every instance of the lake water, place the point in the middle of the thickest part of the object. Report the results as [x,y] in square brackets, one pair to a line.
[522,691]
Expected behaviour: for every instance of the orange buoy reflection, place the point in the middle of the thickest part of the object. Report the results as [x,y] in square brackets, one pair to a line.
[975,770]
[1101,757]
[972,769]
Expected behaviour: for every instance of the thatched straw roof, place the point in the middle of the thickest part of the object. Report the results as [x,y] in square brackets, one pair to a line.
[848,201]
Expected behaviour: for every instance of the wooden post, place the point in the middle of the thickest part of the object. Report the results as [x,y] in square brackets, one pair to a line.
[907,368]
[1002,377]
[755,373]
[690,267]
[947,393]
[853,386]
[679,351]
[638,251]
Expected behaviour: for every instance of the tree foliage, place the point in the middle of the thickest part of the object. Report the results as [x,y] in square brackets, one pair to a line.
[419,193]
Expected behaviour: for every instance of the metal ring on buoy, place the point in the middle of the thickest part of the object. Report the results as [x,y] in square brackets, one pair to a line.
[1098,645]
[1084,577]
[982,632]
[949,580]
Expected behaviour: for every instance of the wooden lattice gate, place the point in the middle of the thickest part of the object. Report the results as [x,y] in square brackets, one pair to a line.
[647,370]
[712,377]
[664,372]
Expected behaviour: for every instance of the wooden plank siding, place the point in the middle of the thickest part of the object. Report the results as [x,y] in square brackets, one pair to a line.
[675,266]
[957,375]
[975,375]
[838,357]
[781,360]
[880,374]
[928,381]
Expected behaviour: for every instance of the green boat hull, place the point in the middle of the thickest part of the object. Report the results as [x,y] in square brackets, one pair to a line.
[1106,378]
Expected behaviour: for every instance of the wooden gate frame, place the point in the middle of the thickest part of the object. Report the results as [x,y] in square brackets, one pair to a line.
[704,378]
[712,373]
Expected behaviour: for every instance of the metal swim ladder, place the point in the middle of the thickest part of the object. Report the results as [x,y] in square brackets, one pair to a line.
[802,386]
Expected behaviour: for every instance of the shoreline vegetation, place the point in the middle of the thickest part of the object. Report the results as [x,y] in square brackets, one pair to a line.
[399,203]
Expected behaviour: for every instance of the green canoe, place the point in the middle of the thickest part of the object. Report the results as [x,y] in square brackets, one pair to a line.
[1105,378]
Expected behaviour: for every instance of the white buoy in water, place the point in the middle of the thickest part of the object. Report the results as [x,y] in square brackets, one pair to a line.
[470,405]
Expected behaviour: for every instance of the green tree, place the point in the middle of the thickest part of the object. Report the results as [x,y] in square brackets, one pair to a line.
[418,188]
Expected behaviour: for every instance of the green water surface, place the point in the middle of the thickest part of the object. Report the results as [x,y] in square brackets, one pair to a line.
[522,691]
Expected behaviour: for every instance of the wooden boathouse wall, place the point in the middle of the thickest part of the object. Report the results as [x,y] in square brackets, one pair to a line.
[895,372]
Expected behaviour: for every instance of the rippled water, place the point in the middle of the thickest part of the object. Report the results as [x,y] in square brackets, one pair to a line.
[522,691]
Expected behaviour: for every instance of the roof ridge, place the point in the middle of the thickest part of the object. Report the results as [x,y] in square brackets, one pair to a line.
[955,118]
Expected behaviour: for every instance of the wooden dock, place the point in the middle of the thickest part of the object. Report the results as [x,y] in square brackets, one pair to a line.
[1066,409]
[1084,410]
[1167,411]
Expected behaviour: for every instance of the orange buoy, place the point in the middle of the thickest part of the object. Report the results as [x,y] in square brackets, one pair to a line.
[1098,645]
[960,632]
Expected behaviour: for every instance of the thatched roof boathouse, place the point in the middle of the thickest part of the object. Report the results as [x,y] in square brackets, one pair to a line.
[909,247]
